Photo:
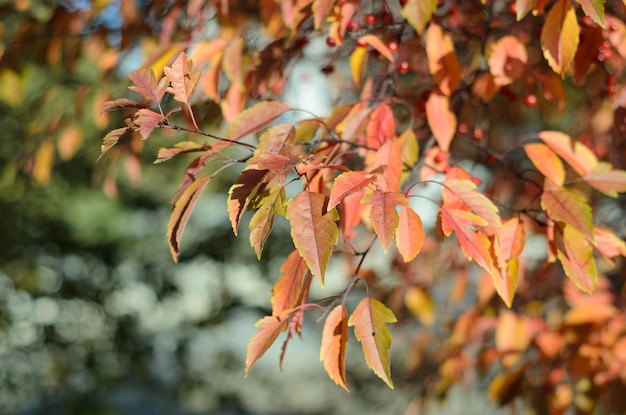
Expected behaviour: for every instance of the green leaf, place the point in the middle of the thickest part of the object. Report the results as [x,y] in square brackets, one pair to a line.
[593,9]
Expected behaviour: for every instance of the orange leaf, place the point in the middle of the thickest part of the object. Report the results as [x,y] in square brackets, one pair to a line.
[289,286]
[508,60]
[590,313]
[43,162]
[269,328]
[321,8]
[121,103]
[560,36]
[181,213]
[606,179]
[232,63]
[369,319]
[511,240]
[205,51]
[465,191]
[505,279]
[575,253]
[249,183]
[389,158]
[609,244]
[579,157]
[380,46]
[278,164]
[409,234]
[262,221]
[546,161]
[147,120]
[314,232]
[593,9]
[211,81]
[475,245]
[255,118]
[346,183]
[69,142]
[381,127]
[418,13]
[357,63]
[145,83]
[183,82]
[278,139]
[334,344]
[567,207]
[442,61]
[512,336]
[384,215]
[441,119]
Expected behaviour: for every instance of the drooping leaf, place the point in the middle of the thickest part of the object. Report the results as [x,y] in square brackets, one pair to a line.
[289,286]
[380,46]
[346,183]
[510,241]
[465,191]
[334,345]
[418,13]
[576,154]
[357,63]
[120,104]
[546,161]
[112,138]
[384,215]
[609,244]
[321,8]
[465,225]
[564,206]
[262,222]
[181,213]
[606,179]
[593,9]
[419,302]
[145,83]
[508,59]
[314,232]
[441,120]
[381,127]
[522,7]
[409,234]
[147,120]
[505,279]
[389,159]
[232,62]
[249,183]
[269,328]
[370,319]
[575,253]
[442,61]
[255,118]
[211,81]
[350,212]
[560,36]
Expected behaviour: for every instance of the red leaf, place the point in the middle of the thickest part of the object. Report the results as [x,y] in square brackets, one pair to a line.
[409,234]
[334,344]
[579,157]
[560,36]
[146,84]
[381,127]
[370,318]
[546,161]
[442,61]
[384,215]
[606,179]
[269,328]
[255,118]
[278,164]
[346,183]
[147,120]
[249,183]
[567,207]
[289,286]
[475,245]
[441,119]
[181,212]
[314,232]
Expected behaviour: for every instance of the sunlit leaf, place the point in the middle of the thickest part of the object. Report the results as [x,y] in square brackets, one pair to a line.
[418,13]
[389,158]
[512,337]
[314,231]
[43,162]
[559,36]
[278,139]
[465,191]
[255,118]
[442,61]
[576,154]
[409,233]
[380,46]
[608,243]
[182,147]
[575,253]
[112,138]
[474,244]
[269,328]
[182,80]
[120,104]
[346,183]
[181,213]
[546,161]
[511,240]
[441,119]
[591,313]
[508,59]
[249,183]
[147,120]
[232,62]
[262,222]
[334,344]
[384,215]
[357,63]
[69,142]
[564,206]
[593,9]
[606,179]
[522,7]
[370,319]
[289,286]
[145,83]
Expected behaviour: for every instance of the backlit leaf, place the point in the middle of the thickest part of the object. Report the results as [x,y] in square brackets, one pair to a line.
[590,313]
[370,319]
[593,9]
[606,179]
[442,61]
[474,244]
[314,232]
[575,253]
[278,139]
[147,120]
[546,161]
[262,222]
[465,191]
[145,83]
[182,80]
[249,183]
[576,154]
[182,147]
[419,302]
[560,36]
[43,162]
[609,244]
[505,279]
[418,13]
[334,344]
[389,158]
[69,142]
[357,63]
[511,240]
[384,215]
[441,119]
[255,118]
[289,286]
[409,234]
[346,183]
[564,206]
[269,328]
[181,213]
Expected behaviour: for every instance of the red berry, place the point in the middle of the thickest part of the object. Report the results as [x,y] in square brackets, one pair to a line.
[404,67]
[403,3]
[361,43]
[370,19]
[478,134]
[601,57]
[530,100]
[331,42]
[610,80]
[393,46]
[386,18]
[476,181]
[491,159]
[328,69]
[302,42]
[588,21]
[513,8]
[462,128]
[613,27]
[441,157]
[353,25]
[611,89]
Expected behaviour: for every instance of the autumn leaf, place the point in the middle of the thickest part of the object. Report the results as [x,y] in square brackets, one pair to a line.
[182,147]
[418,13]
[289,286]
[388,158]
[511,240]
[181,213]
[112,138]
[255,118]
[546,161]
[314,232]
[334,344]
[441,119]
[442,61]
[609,244]
[564,206]
[43,162]
[505,278]
[145,83]
[262,222]
[576,154]
[346,183]
[522,7]
[465,225]
[409,233]
[419,302]
[606,179]
[465,191]
[370,319]
[269,329]
[357,63]
[182,80]
[560,36]
[147,120]
[593,9]
[380,46]
[121,103]
[232,63]
[508,59]
[589,313]
[575,253]
[384,215]
[278,139]
[321,8]
[249,183]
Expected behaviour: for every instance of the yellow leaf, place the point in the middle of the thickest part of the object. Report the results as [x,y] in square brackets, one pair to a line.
[546,161]
[560,36]
[357,63]
[420,304]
